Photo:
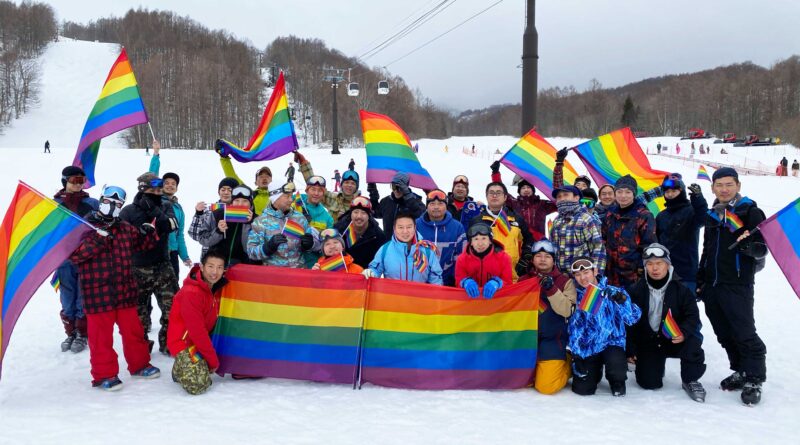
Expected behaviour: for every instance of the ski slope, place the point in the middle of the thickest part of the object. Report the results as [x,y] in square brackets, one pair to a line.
[46,396]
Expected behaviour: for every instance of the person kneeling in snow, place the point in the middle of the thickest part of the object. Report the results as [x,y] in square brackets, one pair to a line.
[332,250]
[105,267]
[405,258]
[483,263]
[194,313]
[597,332]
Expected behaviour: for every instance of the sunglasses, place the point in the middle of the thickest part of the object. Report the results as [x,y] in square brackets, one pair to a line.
[543,246]
[76,179]
[242,191]
[329,233]
[588,203]
[479,229]
[316,180]
[654,252]
[437,195]
[361,201]
[582,264]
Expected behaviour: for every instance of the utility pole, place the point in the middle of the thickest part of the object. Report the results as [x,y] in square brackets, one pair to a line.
[334,77]
[530,67]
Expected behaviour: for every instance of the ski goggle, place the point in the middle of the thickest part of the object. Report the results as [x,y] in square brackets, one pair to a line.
[156,183]
[588,203]
[654,252]
[461,179]
[581,264]
[350,175]
[316,180]
[543,246]
[76,179]
[244,192]
[437,195]
[329,233]
[479,229]
[287,189]
[114,192]
[361,202]
[118,204]
[668,184]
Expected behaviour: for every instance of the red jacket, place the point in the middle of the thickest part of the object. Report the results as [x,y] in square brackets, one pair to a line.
[496,263]
[193,316]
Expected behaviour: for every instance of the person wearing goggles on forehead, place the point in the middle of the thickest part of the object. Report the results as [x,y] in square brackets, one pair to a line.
[152,270]
[661,294]
[204,223]
[105,264]
[725,282]
[310,205]
[229,238]
[438,226]
[597,338]
[333,246]
[401,200]
[458,196]
[263,177]
[557,297]
[359,224]
[269,240]
[73,197]
[405,257]
[337,203]
[527,204]
[177,241]
[483,264]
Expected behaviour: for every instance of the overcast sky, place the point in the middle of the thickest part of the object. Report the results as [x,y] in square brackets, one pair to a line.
[474,66]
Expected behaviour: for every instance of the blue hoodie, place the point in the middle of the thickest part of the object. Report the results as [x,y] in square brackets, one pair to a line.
[395,260]
[450,239]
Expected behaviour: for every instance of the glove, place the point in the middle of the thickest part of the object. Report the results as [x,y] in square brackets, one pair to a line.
[272,245]
[523,264]
[471,287]
[300,159]
[495,166]
[367,273]
[372,187]
[579,368]
[220,148]
[619,297]
[546,282]
[561,154]
[404,190]
[306,242]
[102,232]
[694,189]
[147,229]
[491,287]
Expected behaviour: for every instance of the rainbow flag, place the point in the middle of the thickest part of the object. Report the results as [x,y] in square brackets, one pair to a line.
[592,300]
[332,264]
[533,158]
[351,237]
[237,214]
[119,107]
[783,239]
[389,152]
[502,224]
[703,174]
[543,306]
[290,323]
[55,282]
[37,235]
[298,203]
[733,221]
[423,337]
[616,154]
[275,134]
[669,327]
[216,206]
[293,229]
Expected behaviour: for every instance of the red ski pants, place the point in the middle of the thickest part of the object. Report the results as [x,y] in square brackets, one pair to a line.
[102,356]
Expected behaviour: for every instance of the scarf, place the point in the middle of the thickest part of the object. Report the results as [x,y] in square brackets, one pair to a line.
[567,207]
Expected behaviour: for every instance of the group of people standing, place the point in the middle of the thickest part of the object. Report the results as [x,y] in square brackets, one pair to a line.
[610,273]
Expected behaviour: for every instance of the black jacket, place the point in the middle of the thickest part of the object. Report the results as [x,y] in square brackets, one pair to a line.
[451,206]
[364,250]
[141,211]
[678,229]
[388,208]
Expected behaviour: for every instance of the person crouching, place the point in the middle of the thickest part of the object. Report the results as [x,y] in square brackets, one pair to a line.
[483,264]
[333,258]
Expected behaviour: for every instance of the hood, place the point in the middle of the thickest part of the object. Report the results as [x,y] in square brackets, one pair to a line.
[195,279]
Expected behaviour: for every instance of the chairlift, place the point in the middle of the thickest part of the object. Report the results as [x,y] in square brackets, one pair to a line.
[383,87]
[352,89]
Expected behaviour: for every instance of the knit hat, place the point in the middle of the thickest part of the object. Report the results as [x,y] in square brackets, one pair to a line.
[241,191]
[584,179]
[70,171]
[627,182]
[525,182]
[172,175]
[332,234]
[724,172]
[461,179]
[656,251]
[401,178]
[590,193]
[264,169]
[568,188]
[228,182]
[278,190]
[480,228]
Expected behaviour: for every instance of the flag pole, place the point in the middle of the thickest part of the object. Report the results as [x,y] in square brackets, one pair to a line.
[151,130]
[752,232]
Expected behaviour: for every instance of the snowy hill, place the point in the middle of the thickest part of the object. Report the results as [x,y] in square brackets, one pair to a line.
[46,397]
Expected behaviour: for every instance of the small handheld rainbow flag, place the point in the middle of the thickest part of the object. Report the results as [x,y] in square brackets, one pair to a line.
[703,174]
[293,229]
[669,327]
[298,203]
[733,221]
[216,206]
[237,214]
[55,282]
[194,356]
[332,264]
[592,300]
[543,304]
[351,238]
[502,224]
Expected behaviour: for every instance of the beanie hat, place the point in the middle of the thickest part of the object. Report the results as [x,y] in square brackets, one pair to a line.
[627,182]
[264,170]
[70,171]
[590,193]
[401,178]
[277,190]
[172,175]
[525,182]
[656,251]
[725,172]
[337,238]
[228,182]
[584,179]
[241,191]
[568,188]
[461,179]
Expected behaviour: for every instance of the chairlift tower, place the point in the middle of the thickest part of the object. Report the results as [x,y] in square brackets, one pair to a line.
[530,67]
[334,76]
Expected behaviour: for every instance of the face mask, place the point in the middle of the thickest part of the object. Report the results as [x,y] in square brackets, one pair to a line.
[567,206]
[109,209]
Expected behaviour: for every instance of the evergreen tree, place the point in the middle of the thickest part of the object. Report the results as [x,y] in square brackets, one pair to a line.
[629,113]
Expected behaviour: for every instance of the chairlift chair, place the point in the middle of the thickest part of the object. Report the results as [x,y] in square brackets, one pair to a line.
[383,87]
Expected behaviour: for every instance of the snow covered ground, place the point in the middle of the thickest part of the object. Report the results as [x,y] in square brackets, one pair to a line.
[46,397]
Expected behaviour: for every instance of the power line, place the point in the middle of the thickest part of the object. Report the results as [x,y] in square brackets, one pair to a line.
[442,34]
[393,28]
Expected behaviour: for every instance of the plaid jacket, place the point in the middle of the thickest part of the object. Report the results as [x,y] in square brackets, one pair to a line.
[105,265]
[626,233]
[575,235]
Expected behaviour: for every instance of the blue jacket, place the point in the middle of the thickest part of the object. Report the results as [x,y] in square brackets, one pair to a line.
[270,223]
[176,239]
[678,229]
[395,260]
[450,239]
[591,334]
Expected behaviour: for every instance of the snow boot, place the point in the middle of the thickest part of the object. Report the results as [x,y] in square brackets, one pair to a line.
[148,372]
[618,389]
[733,382]
[109,384]
[695,391]
[751,394]
[69,329]
[79,344]
[67,343]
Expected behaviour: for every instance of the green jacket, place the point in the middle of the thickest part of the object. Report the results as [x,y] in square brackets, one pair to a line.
[336,203]
[260,200]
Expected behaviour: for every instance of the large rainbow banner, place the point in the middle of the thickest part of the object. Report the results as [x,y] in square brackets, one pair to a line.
[533,158]
[341,328]
[783,239]
[37,235]
[616,154]
[275,134]
[389,152]
[119,106]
